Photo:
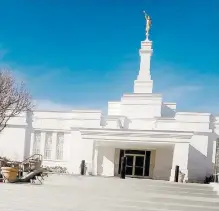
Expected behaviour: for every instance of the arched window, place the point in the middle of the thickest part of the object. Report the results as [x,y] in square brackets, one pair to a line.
[48,146]
[59,146]
[36,142]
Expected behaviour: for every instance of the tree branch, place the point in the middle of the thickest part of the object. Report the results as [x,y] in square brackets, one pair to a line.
[14,98]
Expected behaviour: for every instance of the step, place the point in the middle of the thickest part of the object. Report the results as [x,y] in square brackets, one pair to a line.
[210,194]
[172,184]
[155,186]
[104,196]
[161,197]
[135,184]
[133,181]
[150,204]
[172,189]
[149,207]
[158,190]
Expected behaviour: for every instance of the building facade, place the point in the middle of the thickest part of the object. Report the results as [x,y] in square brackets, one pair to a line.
[149,132]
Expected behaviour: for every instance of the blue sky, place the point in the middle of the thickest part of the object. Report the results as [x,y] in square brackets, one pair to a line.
[82,54]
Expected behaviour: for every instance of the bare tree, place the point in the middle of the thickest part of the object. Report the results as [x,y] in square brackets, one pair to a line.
[14,98]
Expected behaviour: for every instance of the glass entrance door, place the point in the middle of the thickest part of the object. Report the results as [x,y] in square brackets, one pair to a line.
[139,166]
[129,165]
[135,165]
[137,162]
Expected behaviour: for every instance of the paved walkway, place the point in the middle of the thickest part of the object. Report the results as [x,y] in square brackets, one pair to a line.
[65,193]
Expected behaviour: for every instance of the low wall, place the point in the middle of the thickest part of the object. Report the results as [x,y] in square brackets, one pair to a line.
[215,187]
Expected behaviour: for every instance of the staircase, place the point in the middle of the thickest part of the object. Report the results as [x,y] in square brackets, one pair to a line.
[160,195]
[137,194]
[30,169]
[67,192]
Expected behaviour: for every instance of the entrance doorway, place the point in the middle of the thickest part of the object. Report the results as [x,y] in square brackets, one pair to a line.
[137,162]
[135,165]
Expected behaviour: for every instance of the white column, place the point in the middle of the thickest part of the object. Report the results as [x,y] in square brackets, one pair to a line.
[42,143]
[144,84]
[31,142]
[180,158]
[54,139]
[108,163]
[94,160]
[76,150]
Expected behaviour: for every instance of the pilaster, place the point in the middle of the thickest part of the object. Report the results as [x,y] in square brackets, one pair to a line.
[54,139]
[180,158]
[32,142]
[42,143]
[94,160]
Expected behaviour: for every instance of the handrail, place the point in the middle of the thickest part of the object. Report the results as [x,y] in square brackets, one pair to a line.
[40,158]
[28,160]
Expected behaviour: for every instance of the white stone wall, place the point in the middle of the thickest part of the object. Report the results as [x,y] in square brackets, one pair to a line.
[200,157]
[12,143]
[105,161]
[13,139]
[163,163]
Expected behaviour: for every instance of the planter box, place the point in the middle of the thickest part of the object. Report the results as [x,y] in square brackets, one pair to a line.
[9,174]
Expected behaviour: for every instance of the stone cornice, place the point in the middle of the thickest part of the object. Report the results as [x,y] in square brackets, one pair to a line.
[86,111]
[143,139]
[142,95]
[71,111]
[116,117]
[134,134]
[50,130]
[66,119]
[169,103]
[193,113]
[50,111]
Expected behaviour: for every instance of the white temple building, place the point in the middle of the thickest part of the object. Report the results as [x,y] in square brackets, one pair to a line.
[149,132]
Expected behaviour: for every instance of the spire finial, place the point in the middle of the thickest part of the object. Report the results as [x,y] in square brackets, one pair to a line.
[148,24]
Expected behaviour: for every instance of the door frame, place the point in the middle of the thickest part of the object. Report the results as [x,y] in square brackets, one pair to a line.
[134,164]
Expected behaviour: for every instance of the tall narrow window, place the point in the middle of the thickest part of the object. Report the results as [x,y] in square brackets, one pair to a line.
[36,142]
[59,146]
[48,146]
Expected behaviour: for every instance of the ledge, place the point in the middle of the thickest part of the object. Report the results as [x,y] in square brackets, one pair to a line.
[139,134]
[152,95]
[69,111]
[194,113]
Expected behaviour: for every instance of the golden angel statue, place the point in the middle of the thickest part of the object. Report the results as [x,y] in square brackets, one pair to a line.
[148,24]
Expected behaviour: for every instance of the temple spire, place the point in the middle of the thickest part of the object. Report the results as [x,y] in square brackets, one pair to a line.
[144,84]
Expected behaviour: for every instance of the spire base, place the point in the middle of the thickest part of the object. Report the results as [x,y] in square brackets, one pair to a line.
[143,86]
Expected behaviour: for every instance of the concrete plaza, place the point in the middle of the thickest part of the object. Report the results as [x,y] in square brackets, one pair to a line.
[76,193]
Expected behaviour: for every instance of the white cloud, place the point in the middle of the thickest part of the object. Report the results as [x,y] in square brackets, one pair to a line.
[177,93]
[44,104]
